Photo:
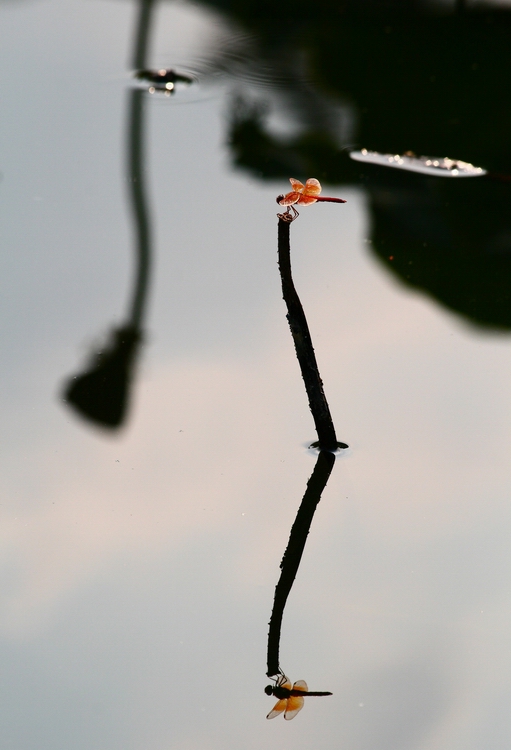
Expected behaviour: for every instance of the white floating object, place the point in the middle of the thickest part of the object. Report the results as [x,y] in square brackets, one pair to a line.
[424,164]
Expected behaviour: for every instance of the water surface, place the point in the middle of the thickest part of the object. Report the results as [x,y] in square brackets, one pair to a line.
[139,563]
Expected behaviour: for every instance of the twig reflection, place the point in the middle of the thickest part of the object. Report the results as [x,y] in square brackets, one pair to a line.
[101,394]
[293,554]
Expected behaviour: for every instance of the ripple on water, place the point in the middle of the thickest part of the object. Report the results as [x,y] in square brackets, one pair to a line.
[342,448]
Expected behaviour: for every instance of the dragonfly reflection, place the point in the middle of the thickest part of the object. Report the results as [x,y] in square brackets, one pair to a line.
[290,697]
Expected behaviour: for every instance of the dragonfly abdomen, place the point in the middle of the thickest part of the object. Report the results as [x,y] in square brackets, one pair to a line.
[307,692]
[329,200]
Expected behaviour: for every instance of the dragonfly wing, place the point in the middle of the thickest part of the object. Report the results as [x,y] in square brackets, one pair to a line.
[278,708]
[294,704]
[297,186]
[300,685]
[312,187]
[304,200]
[290,198]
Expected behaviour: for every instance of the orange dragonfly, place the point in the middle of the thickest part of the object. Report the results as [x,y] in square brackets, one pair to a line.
[290,699]
[305,195]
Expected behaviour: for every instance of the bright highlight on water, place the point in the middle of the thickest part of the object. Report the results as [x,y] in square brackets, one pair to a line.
[424,164]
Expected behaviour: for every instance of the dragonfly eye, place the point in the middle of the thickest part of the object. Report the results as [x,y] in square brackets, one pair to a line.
[268,689]
[279,198]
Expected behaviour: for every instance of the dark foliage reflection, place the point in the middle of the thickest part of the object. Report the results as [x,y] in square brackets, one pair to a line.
[416,76]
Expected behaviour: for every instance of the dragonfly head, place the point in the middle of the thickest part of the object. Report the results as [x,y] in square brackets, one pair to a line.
[268,689]
[279,198]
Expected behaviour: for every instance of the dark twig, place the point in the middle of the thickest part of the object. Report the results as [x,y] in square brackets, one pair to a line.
[327,439]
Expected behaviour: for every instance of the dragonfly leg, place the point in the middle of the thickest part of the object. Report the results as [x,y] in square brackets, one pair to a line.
[290,214]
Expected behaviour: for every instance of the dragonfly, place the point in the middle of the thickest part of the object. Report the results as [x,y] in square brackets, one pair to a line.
[290,698]
[305,195]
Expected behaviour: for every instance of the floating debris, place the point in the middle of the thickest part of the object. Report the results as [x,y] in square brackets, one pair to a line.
[164,80]
[424,164]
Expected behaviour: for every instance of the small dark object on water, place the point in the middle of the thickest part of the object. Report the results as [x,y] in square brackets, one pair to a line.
[163,78]
[340,446]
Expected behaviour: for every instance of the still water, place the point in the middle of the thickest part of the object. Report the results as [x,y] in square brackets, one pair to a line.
[139,557]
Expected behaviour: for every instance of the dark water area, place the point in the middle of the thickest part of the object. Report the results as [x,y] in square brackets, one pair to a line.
[422,78]
[172,536]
